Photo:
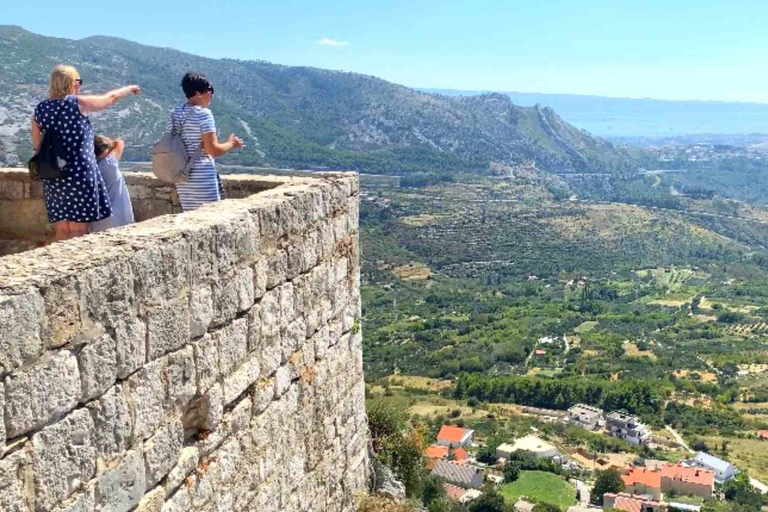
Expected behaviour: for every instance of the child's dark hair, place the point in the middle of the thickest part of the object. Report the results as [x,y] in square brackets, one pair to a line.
[101,145]
[194,83]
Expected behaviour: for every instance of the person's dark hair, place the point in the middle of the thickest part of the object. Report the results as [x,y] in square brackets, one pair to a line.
[101,145]
[192,83]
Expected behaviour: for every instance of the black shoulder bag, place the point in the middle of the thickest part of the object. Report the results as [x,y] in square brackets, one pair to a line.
[46,164]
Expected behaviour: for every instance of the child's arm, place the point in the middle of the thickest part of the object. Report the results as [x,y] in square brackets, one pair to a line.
[118,146]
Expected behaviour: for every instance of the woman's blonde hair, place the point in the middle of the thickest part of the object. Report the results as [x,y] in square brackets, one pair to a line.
[62,80]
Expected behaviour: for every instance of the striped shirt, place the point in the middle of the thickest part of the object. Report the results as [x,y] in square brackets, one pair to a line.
[202,186]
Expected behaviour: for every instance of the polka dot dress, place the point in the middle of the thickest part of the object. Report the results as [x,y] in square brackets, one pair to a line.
[82,195]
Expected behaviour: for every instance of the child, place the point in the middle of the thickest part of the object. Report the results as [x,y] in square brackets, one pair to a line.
[108,153]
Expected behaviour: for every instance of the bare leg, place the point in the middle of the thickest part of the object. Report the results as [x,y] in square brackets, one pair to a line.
[77,229]
[61,230]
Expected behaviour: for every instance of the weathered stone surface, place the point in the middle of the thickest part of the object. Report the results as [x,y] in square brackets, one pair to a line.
[278,269]
[168,327]
[232,295]
[64,457]
[16,493]
[263,394]
[236,241]
[179,378]
[233,345]
[161,452]
[260,277]
[179,502]
[271,353]
[83,502]
[206,353]
[146,399]
[107,292]
[205,412]
[120,489]
[62,311]
[187,463]
[21,324]
[112,423]
[254,327]
[287,307]
[202,254]
[295,336]
[270,313]
[2,408]
[161,271]
[130,346]
[98,367]
[282,381]
[240,379]
[36,394]
[200,311]
[153,501]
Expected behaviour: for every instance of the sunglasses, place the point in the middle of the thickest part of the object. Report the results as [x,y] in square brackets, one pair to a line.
[79,81]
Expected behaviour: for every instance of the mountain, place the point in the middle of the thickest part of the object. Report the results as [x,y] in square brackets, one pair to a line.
[616,118]
[296,116]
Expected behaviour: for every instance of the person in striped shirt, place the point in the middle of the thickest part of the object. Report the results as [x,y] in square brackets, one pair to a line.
[198,127]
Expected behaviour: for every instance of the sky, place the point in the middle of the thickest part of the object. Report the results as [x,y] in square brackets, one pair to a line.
[664,49]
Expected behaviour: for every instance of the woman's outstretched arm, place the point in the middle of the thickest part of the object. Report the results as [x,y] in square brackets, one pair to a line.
[96,102]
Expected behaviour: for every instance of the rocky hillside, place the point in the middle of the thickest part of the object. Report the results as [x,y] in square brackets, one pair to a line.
[296,116]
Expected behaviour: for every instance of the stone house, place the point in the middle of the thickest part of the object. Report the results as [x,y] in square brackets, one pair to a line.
[586,416]
[627,427]
[464,476]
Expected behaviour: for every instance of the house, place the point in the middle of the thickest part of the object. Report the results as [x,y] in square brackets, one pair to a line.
[454,437]
[523,506]
[435,451]
[540,352]
[762,435]
[686,480]
[464,476]
[471,494]
[628,503]
[454,492]
[723,470]
[627,427]
[642,482]
[586,416]
[460,456]
[531,443]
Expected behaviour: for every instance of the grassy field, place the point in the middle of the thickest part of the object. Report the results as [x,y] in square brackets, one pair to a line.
[750,454]
[540,486]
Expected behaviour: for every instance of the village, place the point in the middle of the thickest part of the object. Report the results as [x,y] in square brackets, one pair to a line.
[531,469]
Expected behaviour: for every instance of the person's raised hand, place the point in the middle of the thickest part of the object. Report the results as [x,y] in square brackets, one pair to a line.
[135,89]
[236,142]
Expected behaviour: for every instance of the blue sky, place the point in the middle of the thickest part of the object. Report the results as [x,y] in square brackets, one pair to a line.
[673,49]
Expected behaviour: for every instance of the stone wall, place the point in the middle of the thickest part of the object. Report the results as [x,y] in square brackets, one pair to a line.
[206,361]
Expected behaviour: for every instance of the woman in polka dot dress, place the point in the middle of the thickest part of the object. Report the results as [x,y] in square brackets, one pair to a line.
[78,199]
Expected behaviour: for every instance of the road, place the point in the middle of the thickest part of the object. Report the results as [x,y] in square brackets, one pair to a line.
[583,490]
[678,438]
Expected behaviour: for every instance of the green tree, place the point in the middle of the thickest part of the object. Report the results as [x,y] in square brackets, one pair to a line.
[432,490]
[546,507]
[489,502]
[608,481]
[511,472]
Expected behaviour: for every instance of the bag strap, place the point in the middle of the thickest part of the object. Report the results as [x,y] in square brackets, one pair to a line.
[199,150]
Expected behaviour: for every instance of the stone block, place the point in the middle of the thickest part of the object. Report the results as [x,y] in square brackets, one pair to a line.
[180,377]
[2,408]
[41,392]
[83,502]
[98,368]
[294,338]
[161,271]
[130,346]
[168,328]
[278,268]
[22,318]
[200,311]
[232,295]
[326,241]
[282,381]
[146,399]
[254,327]
[287,307]
[321,341]
[236,421]
[206,352]
[236,241]
[107,292]
[353,221]
[233,345]
[161,452]
[62,311]
[206,412]
[187,463]
[270,313]
[112,423]
[16,494]
[121,488]
[181,501]
[203,266]
[263,394]
[64,458]
[237,382]
[271,353]
[260,277]
[153,501]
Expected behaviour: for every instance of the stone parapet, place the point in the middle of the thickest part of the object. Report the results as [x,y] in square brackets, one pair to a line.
[210,360]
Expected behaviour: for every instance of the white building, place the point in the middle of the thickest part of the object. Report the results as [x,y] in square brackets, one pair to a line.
[586,416]
[627,427]
[455,437]
[723,470]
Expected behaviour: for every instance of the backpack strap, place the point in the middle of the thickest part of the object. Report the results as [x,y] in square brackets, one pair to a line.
[199,150]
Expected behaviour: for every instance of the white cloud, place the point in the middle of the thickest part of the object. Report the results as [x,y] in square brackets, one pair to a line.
[330,42]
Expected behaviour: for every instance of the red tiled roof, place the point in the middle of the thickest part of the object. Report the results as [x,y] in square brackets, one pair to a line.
[452,434]
[644,477]
[454,492]
[692,475]
[436,451]
[460,454]
[540,352]
[628,503]
[762,434]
